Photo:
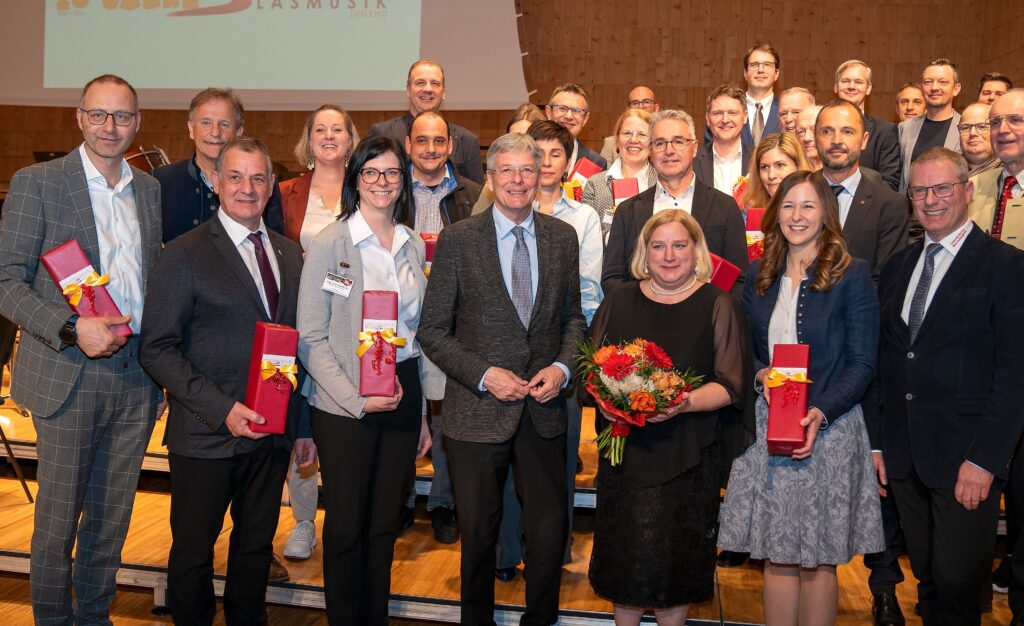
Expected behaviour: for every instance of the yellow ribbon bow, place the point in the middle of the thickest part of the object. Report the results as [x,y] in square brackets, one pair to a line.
[569,188]
[368,339]
[269,370]
[74,290]
[778,379]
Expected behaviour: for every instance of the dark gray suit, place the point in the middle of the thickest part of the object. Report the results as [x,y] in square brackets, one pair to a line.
[93,417]
[196,341]
[468,325]
[876,226]
[882,153]
[465,153]
[704,162]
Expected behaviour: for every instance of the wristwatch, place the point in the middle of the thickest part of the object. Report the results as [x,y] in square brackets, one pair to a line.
[69,332]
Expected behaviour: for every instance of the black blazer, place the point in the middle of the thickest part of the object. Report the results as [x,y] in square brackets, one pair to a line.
[953,394]
[465,154]
[583,152]
[882,153]
[718,215]
[468,324]
[704,162]
[876,226]
[197,336]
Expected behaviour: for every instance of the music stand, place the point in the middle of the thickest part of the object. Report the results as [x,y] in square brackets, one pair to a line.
[8,336]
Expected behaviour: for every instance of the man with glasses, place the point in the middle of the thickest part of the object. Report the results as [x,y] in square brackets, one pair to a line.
[673,146]
[503,401]
[720,162]
[640,97]
[569,107]
[997,207]
[951,365]
[993,85]
[882,153]
[791,102]
[975,140]
[425,87]
[93,406]
[940,83]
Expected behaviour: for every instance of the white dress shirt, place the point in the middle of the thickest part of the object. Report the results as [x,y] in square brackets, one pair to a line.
[727,169]
[239,236]
[119,237]
[845,198]
[316,219]
[766,109]
[664,200]
[951,244]
[390,270]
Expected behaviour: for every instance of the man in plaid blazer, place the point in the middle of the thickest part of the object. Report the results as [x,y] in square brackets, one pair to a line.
[93,406]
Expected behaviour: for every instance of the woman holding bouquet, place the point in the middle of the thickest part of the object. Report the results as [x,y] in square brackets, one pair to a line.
[807,513]
[654,544]
[369,442]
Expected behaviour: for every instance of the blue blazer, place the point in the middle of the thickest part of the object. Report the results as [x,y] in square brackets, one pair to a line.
[841,326]
[771,126]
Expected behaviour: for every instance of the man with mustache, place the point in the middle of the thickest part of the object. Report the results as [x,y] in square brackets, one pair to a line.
[215,117]
[720,162]
[940,84]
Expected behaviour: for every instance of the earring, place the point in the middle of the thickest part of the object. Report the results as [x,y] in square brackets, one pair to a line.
[645,268]
[311,166]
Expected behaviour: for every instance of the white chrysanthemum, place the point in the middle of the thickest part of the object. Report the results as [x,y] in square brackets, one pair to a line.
[626,386]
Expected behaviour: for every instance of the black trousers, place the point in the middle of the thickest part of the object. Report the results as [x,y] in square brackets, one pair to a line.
[201,492]
[950,549]
[479,471]
[363,465]
[1014,499]
[885,568]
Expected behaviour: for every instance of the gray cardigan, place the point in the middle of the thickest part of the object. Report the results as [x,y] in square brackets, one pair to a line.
[329,324]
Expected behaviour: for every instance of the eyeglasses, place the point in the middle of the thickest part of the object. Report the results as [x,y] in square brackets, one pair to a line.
[630,135]
[679,143]
[98,117]
[371,176]
[965,129]
[761,65]
[1015,121]
[562,109]
[942,190]
[646,103]
[508,173]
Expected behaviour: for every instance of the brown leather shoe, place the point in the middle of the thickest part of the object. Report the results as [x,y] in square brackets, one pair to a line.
[278,573]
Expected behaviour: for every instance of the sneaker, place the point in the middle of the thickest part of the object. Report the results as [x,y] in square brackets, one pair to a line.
[446,530]
[300,543]
[1001,576]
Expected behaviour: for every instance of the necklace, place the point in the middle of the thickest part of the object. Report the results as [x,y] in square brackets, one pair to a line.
[683,289]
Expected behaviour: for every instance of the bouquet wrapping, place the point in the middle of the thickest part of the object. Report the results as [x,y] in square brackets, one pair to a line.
[272,375]
[632,381]
[578,177]
[379,344]
[82,286]
[788,382]
[755,236]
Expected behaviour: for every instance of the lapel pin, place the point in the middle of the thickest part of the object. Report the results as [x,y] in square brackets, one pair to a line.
[344,264]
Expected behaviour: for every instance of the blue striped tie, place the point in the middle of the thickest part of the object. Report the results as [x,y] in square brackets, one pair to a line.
[921,292]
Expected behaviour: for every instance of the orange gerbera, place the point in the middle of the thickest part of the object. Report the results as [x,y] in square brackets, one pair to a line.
[602,355]
[642,401]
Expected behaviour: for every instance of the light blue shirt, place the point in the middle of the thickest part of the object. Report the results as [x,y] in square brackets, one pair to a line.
[584,219]
[506,245]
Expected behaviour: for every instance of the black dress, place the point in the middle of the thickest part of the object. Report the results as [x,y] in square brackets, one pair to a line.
[654,535]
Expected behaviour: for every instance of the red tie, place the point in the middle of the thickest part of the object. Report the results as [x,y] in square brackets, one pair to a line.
[997,223]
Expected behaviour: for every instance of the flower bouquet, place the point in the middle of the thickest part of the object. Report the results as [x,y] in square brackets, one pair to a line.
[632,381]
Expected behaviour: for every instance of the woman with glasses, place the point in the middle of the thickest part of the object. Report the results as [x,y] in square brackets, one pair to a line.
[631,133]
[808,512]
[369,443]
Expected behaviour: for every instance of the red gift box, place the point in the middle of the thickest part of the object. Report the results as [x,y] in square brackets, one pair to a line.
[788,382]
[272,375]
[583,170]
[624,189]
[82,286]
[723,273]
[379,344]
[430,240]
[755,237]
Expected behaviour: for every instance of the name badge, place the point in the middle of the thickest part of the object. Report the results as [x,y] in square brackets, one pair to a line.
[340,285]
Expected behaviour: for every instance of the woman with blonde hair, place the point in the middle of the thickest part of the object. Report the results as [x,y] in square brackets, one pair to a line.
[654,530]
[776,157]
[806,513]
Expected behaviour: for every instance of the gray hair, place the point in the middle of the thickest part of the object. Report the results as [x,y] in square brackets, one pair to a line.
[513,142]
[801,90]
[851,63]
[245,143]
[673,114]
[939,153]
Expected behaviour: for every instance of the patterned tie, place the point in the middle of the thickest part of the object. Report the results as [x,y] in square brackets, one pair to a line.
[997,221]
[758,128]
[522,281]
[921,292]
[266,273]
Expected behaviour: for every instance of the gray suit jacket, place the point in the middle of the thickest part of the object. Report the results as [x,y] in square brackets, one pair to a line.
[470,324]
[329,324]
[48,205]
[201,312]
[909,132]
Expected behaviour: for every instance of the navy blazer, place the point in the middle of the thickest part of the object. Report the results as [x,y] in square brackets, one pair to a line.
[882,153]
[840,325]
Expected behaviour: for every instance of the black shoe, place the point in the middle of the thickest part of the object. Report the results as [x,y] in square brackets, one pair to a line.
[278,573]
[446,529]
[728,558]
[917,608]
[1018,620]
[405,519]
[1001,576]
[579,464]
[505,574]
[986,608]
[886,610]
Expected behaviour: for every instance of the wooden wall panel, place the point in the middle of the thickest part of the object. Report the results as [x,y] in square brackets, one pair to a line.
[682,48]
